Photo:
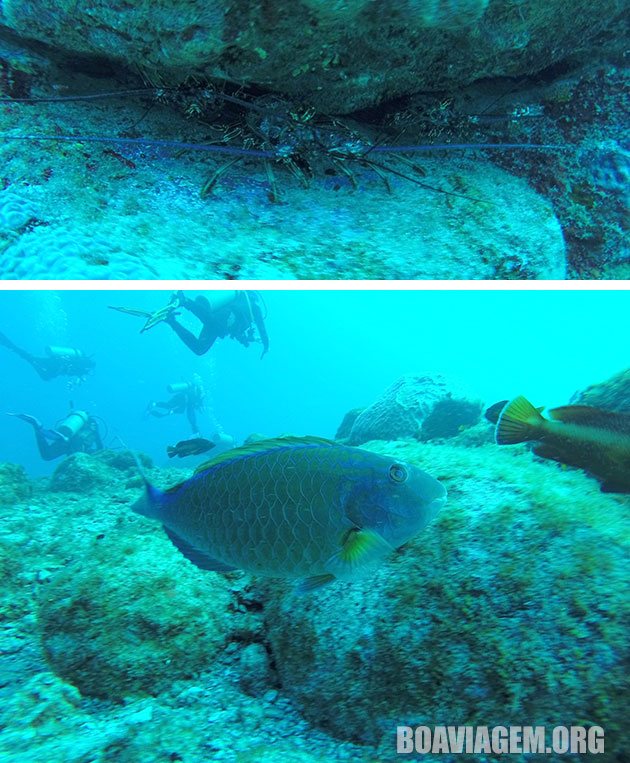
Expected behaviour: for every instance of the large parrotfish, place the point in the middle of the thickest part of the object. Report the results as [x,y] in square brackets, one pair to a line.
[293,507]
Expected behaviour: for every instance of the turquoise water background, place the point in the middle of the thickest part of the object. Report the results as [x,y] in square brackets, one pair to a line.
[330,351]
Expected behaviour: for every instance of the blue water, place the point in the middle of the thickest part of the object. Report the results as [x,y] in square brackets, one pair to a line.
[330,351]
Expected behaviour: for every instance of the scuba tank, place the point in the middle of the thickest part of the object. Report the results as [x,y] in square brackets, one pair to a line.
[62,352]
[73,424]
[178,387]
[221,299]
[225,440]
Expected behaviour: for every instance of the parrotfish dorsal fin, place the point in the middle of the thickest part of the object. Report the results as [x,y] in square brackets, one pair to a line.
[593,417]
[263,446]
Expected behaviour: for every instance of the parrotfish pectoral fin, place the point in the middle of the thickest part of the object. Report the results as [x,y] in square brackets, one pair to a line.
[360,549]
[314,582]
[519,422]
[198,558]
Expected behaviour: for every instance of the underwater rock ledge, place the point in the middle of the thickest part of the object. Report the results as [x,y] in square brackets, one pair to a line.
[339,57]
[127,221]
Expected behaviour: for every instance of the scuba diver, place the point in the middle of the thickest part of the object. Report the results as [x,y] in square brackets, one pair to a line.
[237,314]
[187,398]
[59,361]
[77,433]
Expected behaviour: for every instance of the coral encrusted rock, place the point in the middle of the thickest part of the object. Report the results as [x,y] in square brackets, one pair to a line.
[425,406]
[132,616]
[611,395]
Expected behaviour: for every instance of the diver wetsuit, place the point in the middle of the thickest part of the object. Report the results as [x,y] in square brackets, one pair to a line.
[74,363]
[187,401]
[235,318]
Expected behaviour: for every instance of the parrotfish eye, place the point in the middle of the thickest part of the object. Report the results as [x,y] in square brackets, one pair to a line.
[397,473]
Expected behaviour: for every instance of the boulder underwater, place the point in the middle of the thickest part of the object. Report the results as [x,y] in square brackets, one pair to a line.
[424,406]
[613,394]
[137,618]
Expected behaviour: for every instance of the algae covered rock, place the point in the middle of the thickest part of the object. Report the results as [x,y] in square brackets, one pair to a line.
[14,594]
[611,395]
[512,604]
[339,56]
[425,406]
[132,616]
[85,472]
[500,227]
[43,723]
[14,484]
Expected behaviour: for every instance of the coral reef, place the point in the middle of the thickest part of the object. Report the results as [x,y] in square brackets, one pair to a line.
[427,407]
[443,14]
[612,394]
[510,605]
[572,96]
[345,428]
[15,212]
[58,252]
[146,34]
[137,617]
[448,14]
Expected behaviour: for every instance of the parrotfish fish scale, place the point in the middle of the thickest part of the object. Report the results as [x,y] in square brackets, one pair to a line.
[275,511]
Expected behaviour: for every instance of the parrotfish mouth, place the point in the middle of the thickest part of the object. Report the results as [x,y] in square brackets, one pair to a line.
[436,505]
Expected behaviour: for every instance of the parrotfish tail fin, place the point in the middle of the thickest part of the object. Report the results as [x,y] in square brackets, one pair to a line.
[153,503]
[519,422]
